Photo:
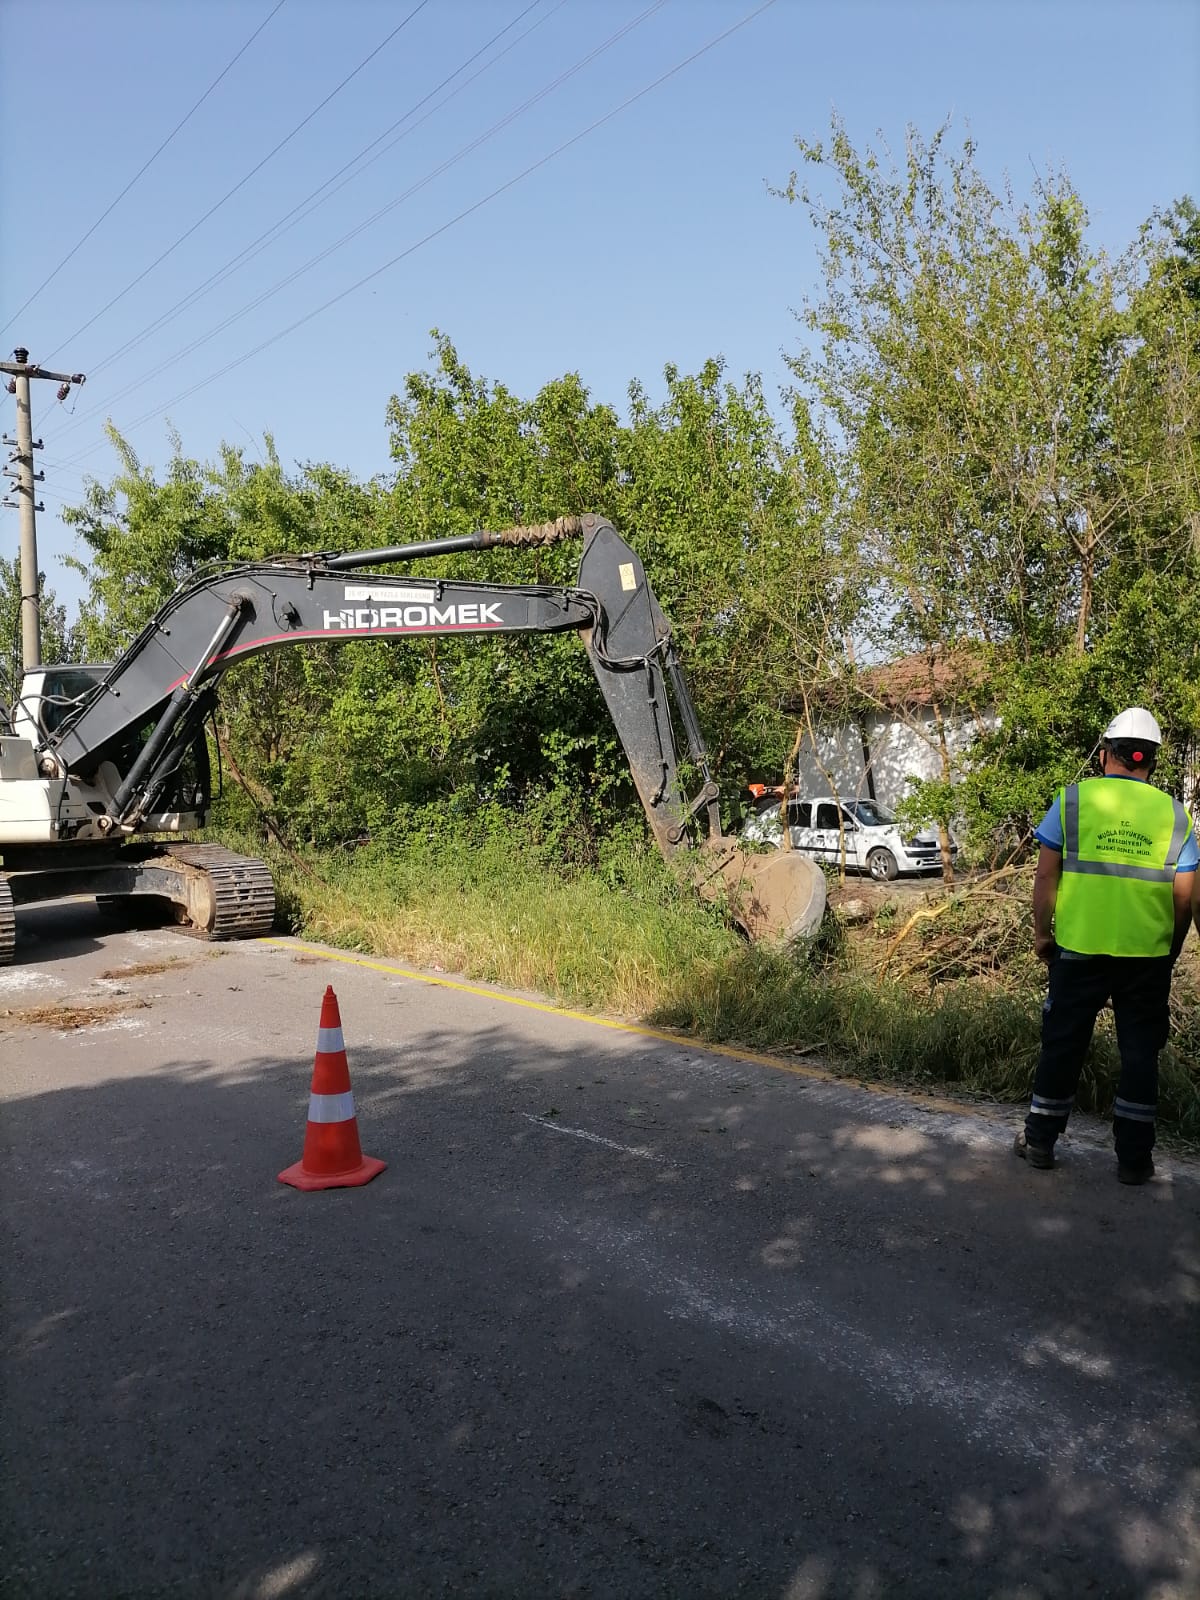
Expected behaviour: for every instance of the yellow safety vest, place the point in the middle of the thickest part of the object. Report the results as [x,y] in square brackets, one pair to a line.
[1122,840]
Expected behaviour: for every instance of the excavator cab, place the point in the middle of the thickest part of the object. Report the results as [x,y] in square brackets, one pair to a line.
[54,812]
[49,694]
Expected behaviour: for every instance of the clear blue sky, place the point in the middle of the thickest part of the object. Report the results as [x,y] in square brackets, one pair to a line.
[651,240]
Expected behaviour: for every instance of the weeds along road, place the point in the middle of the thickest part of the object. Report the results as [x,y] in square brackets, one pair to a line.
[623,1317]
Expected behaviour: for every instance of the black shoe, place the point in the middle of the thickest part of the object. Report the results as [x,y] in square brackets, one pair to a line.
[1142,1172]
[1040,1155]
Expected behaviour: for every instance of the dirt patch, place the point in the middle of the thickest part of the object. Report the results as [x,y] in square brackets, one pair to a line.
[67,1018]
[142,969]
[904,893]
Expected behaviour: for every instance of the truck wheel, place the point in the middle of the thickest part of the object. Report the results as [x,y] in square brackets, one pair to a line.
[881,864]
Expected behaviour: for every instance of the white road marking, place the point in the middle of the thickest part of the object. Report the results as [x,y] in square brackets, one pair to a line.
[108,1025]
[594,1138]
[1001,1410]
[26,978]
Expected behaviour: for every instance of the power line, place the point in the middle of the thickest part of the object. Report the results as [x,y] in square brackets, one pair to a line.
[271,154]
[49,494]
[446,226]
[144,168]
[361,227]
[331,186]
[52,461]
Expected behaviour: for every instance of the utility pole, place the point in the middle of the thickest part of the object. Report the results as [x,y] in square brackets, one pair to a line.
[20,370]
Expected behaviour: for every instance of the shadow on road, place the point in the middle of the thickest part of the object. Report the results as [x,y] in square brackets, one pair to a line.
[45,935]
[560,1348]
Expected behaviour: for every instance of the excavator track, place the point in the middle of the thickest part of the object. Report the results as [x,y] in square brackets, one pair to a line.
[241,895]
[8,923]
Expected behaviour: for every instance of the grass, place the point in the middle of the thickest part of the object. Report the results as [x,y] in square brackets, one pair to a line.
[967,1035]
[509,922]
[956,1006]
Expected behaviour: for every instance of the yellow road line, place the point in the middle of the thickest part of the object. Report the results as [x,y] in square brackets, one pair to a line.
[753,1057]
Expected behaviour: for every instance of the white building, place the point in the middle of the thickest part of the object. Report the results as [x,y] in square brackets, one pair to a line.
[893,737]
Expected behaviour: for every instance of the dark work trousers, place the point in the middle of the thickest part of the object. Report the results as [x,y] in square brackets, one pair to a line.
[1139,988]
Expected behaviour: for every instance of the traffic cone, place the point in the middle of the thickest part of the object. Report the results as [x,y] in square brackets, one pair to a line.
[333,1157]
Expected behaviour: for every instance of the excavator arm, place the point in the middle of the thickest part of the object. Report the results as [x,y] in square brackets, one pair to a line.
[73,799]
[165,681]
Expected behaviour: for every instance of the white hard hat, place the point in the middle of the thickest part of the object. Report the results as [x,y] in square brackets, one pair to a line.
[1135,723]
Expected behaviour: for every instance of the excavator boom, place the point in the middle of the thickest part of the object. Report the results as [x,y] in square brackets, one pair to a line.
[117,752]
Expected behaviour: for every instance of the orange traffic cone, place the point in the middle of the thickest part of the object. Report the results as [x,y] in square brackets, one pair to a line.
[333,1157]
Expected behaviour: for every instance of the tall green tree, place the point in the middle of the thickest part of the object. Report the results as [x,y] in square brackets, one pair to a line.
[144,536]
[1013,419]
[337,739]
[701,484]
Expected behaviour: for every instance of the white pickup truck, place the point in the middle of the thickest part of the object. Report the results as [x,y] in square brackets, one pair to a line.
[875,841]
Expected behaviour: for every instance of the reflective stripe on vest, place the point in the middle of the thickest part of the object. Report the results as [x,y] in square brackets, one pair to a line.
[1108,903]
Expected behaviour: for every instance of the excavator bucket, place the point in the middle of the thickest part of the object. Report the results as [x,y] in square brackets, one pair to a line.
[777,898]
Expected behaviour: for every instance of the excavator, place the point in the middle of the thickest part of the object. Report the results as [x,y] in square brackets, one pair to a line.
[104,770]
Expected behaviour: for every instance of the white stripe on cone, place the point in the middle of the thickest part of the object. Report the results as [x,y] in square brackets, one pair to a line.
[331,1107]
[329,1041]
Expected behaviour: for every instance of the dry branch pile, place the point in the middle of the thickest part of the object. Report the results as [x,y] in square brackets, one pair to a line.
[983,929]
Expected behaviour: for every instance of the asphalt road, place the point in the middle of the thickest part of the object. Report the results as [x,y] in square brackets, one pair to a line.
[624,1317]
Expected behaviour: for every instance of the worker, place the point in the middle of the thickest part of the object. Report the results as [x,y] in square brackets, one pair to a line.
[1111,909]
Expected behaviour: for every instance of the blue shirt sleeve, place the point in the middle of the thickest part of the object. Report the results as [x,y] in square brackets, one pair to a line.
[1189,856]
[1049,829]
